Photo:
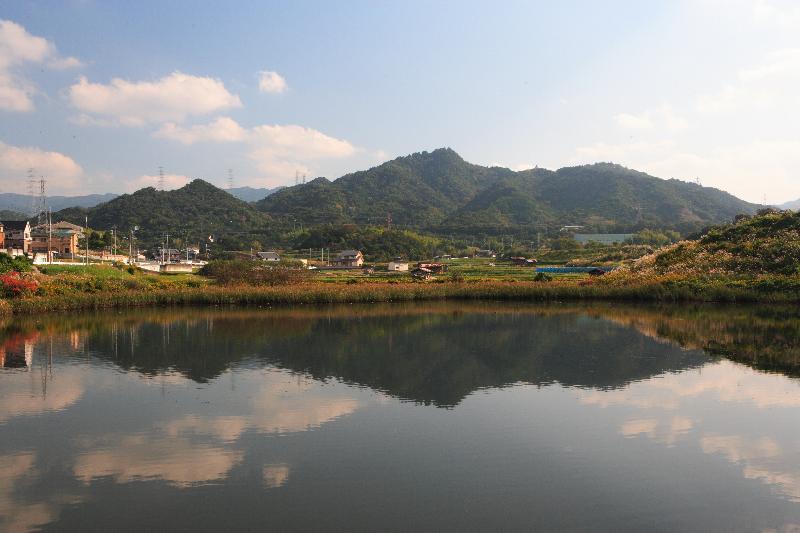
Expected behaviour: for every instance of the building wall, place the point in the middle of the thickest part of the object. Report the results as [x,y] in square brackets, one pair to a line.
[61,244]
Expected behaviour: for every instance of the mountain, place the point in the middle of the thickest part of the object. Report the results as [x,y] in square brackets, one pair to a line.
[252,194]
[794,205]
[438,191]
[21,203]
[194,211]
[5,214]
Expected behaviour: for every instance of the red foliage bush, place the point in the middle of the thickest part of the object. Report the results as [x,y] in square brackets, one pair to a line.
[15,285]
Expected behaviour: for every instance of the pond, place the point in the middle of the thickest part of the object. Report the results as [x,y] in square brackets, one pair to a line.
[432,417]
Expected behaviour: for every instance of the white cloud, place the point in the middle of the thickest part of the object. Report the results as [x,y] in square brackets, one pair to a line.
[271,82]
[61,171]
[171,181]
[17,48]
[224,129]
[172,98]
[662,117]
[279,151]
[781,14]
[772,85]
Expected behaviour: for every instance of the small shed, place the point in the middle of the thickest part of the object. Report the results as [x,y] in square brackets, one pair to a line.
[397,265]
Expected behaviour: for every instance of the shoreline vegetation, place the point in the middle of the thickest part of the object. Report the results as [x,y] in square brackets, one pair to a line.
[754,260]
[755,290]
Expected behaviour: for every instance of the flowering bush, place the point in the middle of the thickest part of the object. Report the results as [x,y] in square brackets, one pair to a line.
[13,284]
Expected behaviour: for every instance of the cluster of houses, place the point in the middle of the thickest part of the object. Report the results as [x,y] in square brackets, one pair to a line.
[17,237]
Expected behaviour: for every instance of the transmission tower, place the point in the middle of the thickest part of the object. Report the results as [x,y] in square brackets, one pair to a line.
[296,177]
[389,220]
[161,180]
[41,207]
[230,179]
[32,191]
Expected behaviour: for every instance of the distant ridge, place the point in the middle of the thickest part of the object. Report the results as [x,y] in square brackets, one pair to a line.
[440,192]
[252,194]
[195,211]
[21,203]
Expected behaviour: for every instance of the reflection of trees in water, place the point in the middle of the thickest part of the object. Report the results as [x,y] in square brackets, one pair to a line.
[433,353]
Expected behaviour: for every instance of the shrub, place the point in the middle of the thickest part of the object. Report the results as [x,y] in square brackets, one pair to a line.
[14,264]
[541,276]
[13,284]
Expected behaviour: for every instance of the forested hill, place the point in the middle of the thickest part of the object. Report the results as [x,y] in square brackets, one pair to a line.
[198,209]
[439,191]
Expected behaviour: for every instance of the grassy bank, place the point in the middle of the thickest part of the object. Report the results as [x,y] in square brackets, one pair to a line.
[316,293]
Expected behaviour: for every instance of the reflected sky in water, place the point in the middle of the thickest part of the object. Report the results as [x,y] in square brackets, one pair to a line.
[409,417]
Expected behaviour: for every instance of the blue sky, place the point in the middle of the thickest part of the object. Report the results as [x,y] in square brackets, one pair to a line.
[97,95]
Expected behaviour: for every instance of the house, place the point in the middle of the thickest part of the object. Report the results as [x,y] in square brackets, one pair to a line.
[433,268]
[70,226]
[485,253]
[61,241]
[397,265]
[422,273]
[349,259]
[17,235]
[523,261]
[269,256]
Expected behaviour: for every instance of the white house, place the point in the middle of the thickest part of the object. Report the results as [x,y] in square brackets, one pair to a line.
[269,256]
[398,266]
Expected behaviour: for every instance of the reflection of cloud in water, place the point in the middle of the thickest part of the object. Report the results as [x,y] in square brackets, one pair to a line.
[275,476]
[29,398]
[760,458]
[178,451]
[725,381]
[667,432]
[225,428]
[16,515]
[177,461]
[278,410]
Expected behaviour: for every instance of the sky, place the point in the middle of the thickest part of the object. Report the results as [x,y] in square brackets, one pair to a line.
[96,96]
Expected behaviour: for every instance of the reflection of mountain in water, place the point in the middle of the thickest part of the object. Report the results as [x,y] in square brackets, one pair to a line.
[435,357]
[433,353]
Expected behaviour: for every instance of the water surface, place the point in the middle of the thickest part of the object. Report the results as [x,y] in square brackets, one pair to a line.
[409,417]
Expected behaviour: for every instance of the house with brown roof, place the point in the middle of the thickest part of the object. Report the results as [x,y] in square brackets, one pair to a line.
[349,259]
[17,236]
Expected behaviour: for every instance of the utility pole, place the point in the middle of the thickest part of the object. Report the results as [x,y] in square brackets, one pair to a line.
[114,233]
[130,249]
[86,236]
[50,236]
